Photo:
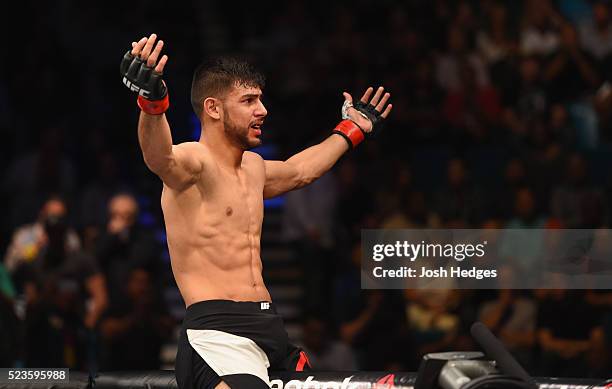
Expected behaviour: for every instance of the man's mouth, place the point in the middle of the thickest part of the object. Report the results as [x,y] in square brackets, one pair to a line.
[256,128]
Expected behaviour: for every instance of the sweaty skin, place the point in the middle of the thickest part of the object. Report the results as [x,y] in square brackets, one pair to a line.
[213,191]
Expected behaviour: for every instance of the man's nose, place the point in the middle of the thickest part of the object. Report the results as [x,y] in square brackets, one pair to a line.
[261,110]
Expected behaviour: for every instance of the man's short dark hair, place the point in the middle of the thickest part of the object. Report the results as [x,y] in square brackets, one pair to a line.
[215,77]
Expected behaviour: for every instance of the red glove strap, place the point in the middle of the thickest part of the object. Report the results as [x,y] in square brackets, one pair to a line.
[156,107]
[350,131]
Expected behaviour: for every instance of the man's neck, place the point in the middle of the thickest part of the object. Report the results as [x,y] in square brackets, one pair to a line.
[226,153]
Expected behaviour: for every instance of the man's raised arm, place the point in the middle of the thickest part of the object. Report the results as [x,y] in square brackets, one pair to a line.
[310,164]
[177,166]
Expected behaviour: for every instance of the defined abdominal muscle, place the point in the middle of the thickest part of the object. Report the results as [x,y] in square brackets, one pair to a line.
[219,270]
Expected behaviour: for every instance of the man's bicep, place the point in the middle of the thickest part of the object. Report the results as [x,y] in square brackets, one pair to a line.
[281,177]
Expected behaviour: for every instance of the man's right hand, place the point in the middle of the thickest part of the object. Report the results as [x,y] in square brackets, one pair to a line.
[142,73]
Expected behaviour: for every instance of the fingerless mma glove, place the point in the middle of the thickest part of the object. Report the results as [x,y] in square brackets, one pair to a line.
[144,80]
[350,131]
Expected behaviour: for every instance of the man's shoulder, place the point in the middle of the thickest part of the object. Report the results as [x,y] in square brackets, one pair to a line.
[252,155]
[190,146]
[253,158]
[192,151]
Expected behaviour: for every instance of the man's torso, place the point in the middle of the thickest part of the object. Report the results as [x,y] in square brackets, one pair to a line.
[214,230]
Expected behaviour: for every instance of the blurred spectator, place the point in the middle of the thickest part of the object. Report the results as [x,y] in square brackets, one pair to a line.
[528,101]
[470,108]
[539,34]
[596,34]
[398,203]
[369,320]
[465,17]
[431,316]
[522,244]
[421,100]
[577,203]
[65,294]
[571,72]
[526,212]
[515,178]
[565,344]
[560,126]
[544,156]
[135,327]
[31,240]
[512,317]
[308,224]
[94,198]
[497,41]
[601,300]
[324,352]
[449,62]
[459,204]
[125,244]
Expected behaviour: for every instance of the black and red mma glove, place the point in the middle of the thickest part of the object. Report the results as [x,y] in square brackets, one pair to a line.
[350,131]
[144,80]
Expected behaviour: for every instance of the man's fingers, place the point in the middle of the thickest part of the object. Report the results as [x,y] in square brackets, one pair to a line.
[387,111]
[347,97]
[366,95]
[377,95]
[137,48]
[152,60]
[162,62]
[382,103]
[144,54]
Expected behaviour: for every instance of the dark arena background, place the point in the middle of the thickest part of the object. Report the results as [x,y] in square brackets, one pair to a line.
[502,118]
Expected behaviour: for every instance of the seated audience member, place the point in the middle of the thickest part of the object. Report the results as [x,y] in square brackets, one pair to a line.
[511,316]
[30,240]
[539,33]
[596,33]
[601,301]
[431,316]
[367,319]
[577,200]
[135,328]
[125,244]
[324,351]
[65,294]
[567,330]
[460,202]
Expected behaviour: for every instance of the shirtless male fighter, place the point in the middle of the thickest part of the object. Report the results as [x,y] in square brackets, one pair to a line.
[212,200]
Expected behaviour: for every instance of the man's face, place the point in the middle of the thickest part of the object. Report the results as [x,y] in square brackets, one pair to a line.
[243,116]
[53,208]
[123,209]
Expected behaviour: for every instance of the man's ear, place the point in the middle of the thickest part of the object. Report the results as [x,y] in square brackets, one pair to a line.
[212,107]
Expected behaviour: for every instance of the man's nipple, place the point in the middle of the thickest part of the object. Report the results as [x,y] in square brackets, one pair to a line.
[229,211]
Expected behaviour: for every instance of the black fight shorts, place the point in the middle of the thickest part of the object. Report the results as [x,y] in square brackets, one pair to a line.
[234,342]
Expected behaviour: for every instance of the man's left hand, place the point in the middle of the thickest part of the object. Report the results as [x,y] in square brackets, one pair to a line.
[368,111]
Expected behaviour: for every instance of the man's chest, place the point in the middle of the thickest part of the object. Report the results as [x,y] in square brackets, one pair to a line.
[237,198]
